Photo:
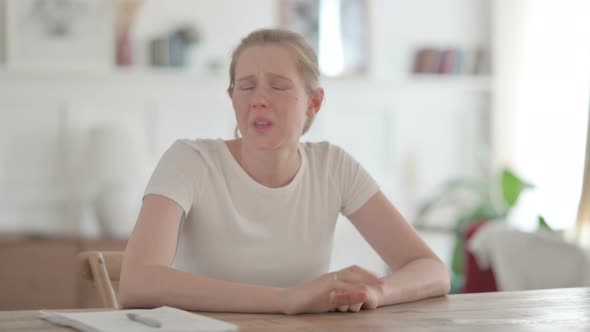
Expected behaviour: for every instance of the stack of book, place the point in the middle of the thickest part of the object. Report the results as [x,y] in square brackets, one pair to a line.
[451,61]
[172,49]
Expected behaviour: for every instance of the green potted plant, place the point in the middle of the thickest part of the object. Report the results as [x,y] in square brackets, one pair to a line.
[474,199]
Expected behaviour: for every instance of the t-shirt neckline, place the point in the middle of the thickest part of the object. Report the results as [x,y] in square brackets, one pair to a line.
[240,172]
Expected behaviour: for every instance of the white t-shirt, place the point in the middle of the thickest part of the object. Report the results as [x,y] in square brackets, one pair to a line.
[239,230]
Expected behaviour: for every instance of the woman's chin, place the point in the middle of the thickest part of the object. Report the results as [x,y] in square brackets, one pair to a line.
[262,143]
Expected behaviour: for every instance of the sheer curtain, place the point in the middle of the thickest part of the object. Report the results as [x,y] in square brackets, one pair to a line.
[541,63]
[583,224]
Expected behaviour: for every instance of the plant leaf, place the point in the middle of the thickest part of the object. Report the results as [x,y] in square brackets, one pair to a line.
[512,187]
[543,225]
[445,197]
[458,257]
[457,282]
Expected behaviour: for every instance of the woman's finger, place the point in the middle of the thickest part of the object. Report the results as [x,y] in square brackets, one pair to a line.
[342,308]
[355,307]
[352,295]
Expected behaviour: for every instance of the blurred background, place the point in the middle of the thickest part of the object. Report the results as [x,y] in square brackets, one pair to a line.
[469,114]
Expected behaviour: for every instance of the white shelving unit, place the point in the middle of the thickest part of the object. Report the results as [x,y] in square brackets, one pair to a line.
[451,82]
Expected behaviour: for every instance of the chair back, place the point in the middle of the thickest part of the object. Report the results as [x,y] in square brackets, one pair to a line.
[102,267]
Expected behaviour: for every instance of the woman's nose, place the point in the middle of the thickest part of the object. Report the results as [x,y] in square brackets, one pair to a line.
[259,98]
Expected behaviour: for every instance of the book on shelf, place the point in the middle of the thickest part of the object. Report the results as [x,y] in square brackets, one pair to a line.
[174,48]
[159,55]
[451,61]
[426,61]
[458,62]
[481,62]
[168,51]
[446,61]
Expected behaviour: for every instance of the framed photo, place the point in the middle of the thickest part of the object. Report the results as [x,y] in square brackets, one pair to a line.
[336,29]
[60,34]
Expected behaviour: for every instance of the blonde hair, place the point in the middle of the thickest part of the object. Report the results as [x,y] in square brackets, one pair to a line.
[305,56]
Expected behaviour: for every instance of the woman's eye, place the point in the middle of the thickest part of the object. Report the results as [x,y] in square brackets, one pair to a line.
[278,87]
[248,87]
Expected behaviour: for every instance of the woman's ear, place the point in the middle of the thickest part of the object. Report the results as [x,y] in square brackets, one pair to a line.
[315,102]
[230,92]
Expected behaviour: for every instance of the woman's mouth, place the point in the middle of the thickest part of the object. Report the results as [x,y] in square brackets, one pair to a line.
[262,125]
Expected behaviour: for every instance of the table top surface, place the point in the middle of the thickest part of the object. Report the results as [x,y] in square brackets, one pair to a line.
[566,309]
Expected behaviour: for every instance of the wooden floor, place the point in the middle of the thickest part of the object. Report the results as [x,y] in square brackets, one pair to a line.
[542,310]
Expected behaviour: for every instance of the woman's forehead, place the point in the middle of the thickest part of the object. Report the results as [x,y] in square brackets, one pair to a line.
[268,58]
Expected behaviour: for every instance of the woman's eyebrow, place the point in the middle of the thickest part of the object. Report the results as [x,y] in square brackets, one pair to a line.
[278,76]
[270,75]
[246,78]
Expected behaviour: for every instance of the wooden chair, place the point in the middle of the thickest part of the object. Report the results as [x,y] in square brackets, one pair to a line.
[102,267]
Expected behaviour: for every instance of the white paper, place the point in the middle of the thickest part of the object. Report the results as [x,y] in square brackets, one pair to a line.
[172,320]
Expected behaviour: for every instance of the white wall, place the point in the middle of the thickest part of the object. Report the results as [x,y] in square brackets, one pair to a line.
[410,134]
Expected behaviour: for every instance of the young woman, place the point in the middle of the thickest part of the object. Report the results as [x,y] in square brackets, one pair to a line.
[246,225]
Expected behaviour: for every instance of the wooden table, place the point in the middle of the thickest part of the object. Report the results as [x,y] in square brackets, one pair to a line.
[565,309]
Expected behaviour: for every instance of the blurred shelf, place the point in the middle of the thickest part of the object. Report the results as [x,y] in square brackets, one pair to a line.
[468,83]
[140,80]
[173,78]
[114,73]
[415,83]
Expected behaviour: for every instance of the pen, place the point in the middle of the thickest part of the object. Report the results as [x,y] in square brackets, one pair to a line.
[144,320]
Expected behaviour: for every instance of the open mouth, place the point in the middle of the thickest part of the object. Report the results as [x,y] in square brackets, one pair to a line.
[262,124]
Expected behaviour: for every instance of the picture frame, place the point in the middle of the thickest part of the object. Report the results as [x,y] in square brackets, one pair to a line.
[338,30]
[60,34]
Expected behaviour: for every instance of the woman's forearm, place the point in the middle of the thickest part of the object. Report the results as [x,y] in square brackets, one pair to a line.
[153,286]
[419,279]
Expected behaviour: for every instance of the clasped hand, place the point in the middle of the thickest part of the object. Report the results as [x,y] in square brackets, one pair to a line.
[350,289]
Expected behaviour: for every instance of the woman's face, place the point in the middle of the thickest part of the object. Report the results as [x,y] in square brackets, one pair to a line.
[269,97]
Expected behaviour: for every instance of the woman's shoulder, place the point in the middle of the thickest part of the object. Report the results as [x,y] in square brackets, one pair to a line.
[324,151]
[202,146]
[193,151]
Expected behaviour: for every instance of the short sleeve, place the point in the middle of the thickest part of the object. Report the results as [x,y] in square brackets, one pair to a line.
[356,184]
[177,174]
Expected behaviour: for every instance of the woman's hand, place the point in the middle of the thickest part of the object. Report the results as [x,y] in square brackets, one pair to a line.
[374,294]
[349,289]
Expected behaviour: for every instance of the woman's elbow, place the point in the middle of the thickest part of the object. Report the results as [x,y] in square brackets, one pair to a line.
[127,294]
[126,299]
[135,298]
[132,293]
[444,279]
[445,286]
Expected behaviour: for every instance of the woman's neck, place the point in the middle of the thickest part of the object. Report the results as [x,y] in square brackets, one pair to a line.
[273,169]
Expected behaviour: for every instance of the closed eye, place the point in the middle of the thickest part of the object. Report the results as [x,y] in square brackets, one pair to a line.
[279,87]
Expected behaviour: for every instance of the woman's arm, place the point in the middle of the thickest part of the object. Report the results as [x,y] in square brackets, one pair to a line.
[418,272]
[148,280]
